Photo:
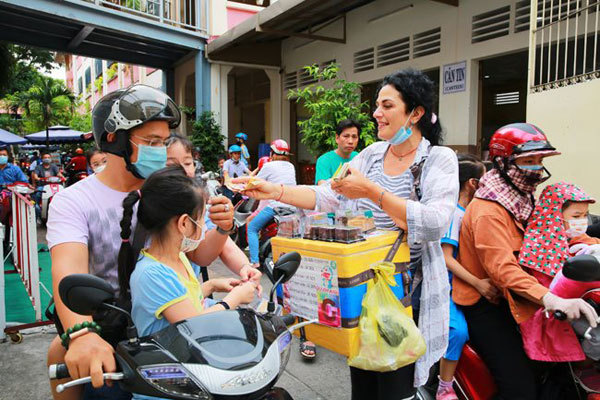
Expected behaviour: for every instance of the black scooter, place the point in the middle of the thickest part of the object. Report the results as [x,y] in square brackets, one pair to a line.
[236,354]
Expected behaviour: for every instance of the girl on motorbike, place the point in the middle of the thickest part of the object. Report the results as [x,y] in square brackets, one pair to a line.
[491,235]
[179,152]
[555,232]
[470,171]
[381,179]
[163,282]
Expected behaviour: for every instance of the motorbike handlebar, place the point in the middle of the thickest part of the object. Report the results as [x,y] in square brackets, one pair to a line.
[58,371]
[288,319]
[559,315]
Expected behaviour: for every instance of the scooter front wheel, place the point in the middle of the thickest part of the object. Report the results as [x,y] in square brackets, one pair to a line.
[277,393]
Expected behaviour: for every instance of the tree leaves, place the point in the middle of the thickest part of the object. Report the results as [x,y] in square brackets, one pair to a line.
[206,134]
[328,106]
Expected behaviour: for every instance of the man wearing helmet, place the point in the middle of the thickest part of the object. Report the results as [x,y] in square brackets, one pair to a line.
[131,126]
[241,138]
[491,234]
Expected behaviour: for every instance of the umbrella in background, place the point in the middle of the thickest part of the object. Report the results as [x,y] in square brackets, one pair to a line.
[57,135]
[7,138]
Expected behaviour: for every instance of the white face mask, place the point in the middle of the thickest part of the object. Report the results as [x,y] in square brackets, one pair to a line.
[99,168]
[189,244]
[577,227]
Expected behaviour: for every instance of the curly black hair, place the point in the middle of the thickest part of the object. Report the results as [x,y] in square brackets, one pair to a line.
[416,89]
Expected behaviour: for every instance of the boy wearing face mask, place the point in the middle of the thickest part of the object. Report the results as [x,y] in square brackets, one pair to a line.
[555,232]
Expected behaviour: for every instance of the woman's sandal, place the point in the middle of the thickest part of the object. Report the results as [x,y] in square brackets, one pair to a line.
[304,348]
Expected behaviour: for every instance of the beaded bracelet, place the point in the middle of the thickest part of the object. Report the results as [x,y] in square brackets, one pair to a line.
[79,330]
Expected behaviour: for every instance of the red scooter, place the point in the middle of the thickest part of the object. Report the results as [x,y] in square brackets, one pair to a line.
[475,382]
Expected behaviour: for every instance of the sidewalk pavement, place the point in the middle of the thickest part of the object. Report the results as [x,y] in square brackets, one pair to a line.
[23,366]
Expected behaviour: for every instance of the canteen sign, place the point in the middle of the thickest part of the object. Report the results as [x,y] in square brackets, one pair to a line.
[455,77]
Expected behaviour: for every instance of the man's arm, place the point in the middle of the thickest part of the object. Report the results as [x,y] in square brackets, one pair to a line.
[88,355]
[34,178]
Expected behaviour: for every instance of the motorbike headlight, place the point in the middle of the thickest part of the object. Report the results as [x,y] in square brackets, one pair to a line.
[175,380]
[283,343]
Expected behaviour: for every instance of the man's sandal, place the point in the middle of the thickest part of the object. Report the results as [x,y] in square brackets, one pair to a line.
[305,348]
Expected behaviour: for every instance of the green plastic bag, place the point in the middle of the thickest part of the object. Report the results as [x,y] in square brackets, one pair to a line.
[389,338]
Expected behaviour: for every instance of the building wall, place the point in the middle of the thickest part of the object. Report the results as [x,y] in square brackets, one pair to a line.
[379,22]
[567,116]
[76,66]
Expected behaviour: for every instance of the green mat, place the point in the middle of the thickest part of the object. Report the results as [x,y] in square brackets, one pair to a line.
[18,305]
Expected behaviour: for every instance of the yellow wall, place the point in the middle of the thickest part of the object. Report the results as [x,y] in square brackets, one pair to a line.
[569,117]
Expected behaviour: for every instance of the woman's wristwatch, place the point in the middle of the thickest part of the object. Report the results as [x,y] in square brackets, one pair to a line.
[224,232]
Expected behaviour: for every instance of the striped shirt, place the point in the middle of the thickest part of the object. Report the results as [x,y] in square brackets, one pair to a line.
[399,185]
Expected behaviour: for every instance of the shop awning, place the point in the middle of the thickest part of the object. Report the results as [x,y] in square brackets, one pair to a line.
[258,39]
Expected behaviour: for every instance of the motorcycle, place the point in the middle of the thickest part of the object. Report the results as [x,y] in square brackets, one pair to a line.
[236,354]
[243,210]
[474,381]
[211,181]
[74,176]
[50,186]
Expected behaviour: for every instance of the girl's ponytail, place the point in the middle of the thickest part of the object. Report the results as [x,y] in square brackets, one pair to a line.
[126,259]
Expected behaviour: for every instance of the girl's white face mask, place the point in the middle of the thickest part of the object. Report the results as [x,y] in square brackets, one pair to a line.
[189,244]
[577,227]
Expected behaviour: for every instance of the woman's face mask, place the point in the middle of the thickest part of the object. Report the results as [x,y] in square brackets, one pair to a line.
[403,133]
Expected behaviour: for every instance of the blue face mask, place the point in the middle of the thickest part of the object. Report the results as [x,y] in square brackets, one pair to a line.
[530,167]
[3,160]
[150,159]
[403,133]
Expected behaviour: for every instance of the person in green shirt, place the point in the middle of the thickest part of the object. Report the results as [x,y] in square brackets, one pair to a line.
[346,137]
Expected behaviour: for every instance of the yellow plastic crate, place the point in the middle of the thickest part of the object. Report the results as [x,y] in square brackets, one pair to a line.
[351,261]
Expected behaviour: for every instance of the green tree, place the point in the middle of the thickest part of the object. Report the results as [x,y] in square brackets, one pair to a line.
[206,134]
[46,103]
[328,106]
[20,66]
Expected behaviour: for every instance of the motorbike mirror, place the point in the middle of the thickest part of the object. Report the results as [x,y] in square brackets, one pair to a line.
[84,293]
[584,268]
[286,266]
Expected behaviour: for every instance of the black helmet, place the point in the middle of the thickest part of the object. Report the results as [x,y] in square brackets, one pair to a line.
[124,109]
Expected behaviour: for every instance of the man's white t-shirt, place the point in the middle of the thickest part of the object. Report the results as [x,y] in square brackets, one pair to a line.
[90,212]
[282,172]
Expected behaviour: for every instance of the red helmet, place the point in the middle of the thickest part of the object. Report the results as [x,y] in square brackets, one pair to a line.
[79,150]
[520,140]
[280,146]
[262,161]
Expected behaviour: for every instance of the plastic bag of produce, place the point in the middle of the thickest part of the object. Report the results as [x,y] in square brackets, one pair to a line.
[389,338]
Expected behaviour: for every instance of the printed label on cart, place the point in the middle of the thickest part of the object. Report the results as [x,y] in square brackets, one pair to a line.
[313,292]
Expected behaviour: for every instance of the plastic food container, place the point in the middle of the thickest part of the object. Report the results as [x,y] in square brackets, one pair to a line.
[348,234]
